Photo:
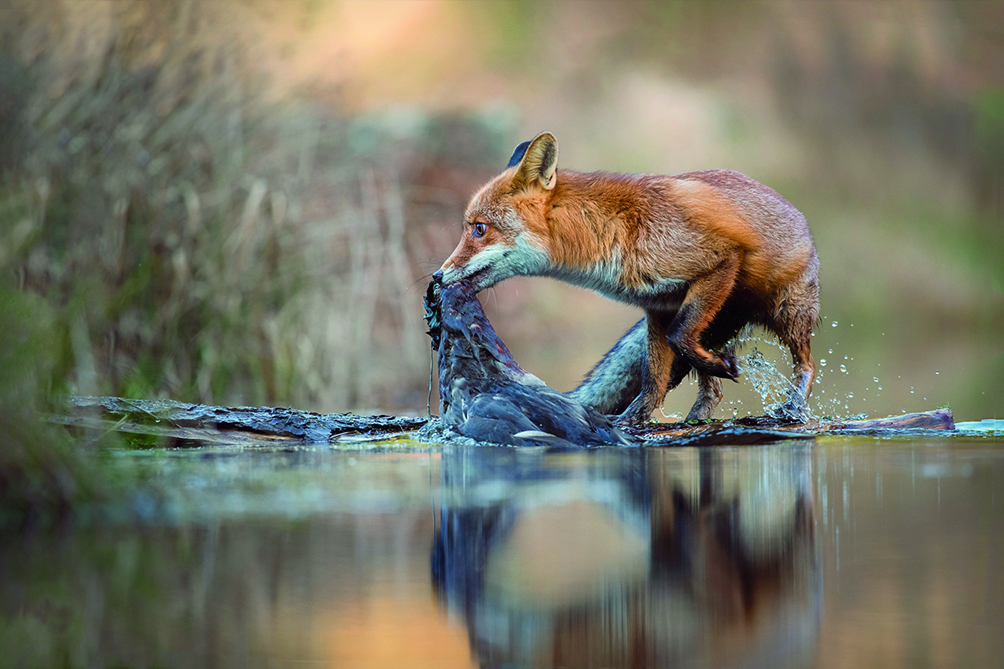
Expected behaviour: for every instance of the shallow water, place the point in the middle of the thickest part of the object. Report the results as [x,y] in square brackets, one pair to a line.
[837,552]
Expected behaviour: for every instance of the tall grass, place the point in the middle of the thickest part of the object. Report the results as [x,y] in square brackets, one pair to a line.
[194,240]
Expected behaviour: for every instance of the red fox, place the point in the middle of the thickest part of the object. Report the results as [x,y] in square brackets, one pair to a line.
[704,254]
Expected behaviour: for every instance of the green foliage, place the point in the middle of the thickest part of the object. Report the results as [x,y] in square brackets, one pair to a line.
[198,242]
[989,128]
[41,474]
[151,211]
[989,139]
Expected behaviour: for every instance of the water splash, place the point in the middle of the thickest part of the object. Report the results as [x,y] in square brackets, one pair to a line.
[835,397]
[771,384]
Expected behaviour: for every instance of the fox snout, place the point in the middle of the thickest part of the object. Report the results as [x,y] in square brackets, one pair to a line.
[447,276]
[450,273]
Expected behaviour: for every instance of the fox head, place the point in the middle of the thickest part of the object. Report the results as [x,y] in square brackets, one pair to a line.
[505,232]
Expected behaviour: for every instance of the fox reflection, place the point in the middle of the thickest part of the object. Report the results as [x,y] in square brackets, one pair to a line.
[637,566]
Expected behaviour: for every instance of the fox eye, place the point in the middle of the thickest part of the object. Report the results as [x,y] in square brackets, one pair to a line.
[479,230]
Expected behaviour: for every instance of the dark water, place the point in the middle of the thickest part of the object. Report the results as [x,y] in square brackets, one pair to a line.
[840,552]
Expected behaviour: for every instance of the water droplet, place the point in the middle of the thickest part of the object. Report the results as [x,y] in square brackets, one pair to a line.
[822,362]
[875,379]
[833,324]
[843,369]
[880,387]
[937,372]
[735,412]
[850,395]
[845,357]
[911,390]
[831,351]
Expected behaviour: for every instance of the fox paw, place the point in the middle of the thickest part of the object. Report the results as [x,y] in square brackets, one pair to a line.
[731,366]
[723,366]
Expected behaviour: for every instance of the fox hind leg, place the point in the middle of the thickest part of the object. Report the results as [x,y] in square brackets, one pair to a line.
[793,321]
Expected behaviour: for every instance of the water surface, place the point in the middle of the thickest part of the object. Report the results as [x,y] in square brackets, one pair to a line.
[838,552]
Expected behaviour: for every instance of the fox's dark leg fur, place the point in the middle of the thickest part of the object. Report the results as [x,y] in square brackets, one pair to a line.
[616,380]
[705,298]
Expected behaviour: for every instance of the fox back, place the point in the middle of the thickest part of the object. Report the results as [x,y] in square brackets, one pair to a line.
[631,237]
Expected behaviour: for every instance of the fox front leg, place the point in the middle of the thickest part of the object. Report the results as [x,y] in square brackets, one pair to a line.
[704,299]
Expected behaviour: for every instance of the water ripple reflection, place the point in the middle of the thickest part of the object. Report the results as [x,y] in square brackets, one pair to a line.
[689,557]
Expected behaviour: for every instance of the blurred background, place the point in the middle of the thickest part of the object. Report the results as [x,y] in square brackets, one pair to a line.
[239,202]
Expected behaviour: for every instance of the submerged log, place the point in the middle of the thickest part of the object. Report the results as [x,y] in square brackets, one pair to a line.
[940,420]
[760,429]
[180,424]
[171,424]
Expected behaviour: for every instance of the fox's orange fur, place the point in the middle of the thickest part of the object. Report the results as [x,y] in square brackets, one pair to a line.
[703,253]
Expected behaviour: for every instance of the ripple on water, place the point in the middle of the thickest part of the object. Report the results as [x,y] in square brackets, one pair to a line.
[985,427]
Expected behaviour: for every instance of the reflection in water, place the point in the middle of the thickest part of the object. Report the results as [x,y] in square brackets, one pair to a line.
[616,558]
[643,558]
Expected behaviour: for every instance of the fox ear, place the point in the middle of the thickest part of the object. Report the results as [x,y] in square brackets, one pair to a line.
[517,154]
[537,161]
